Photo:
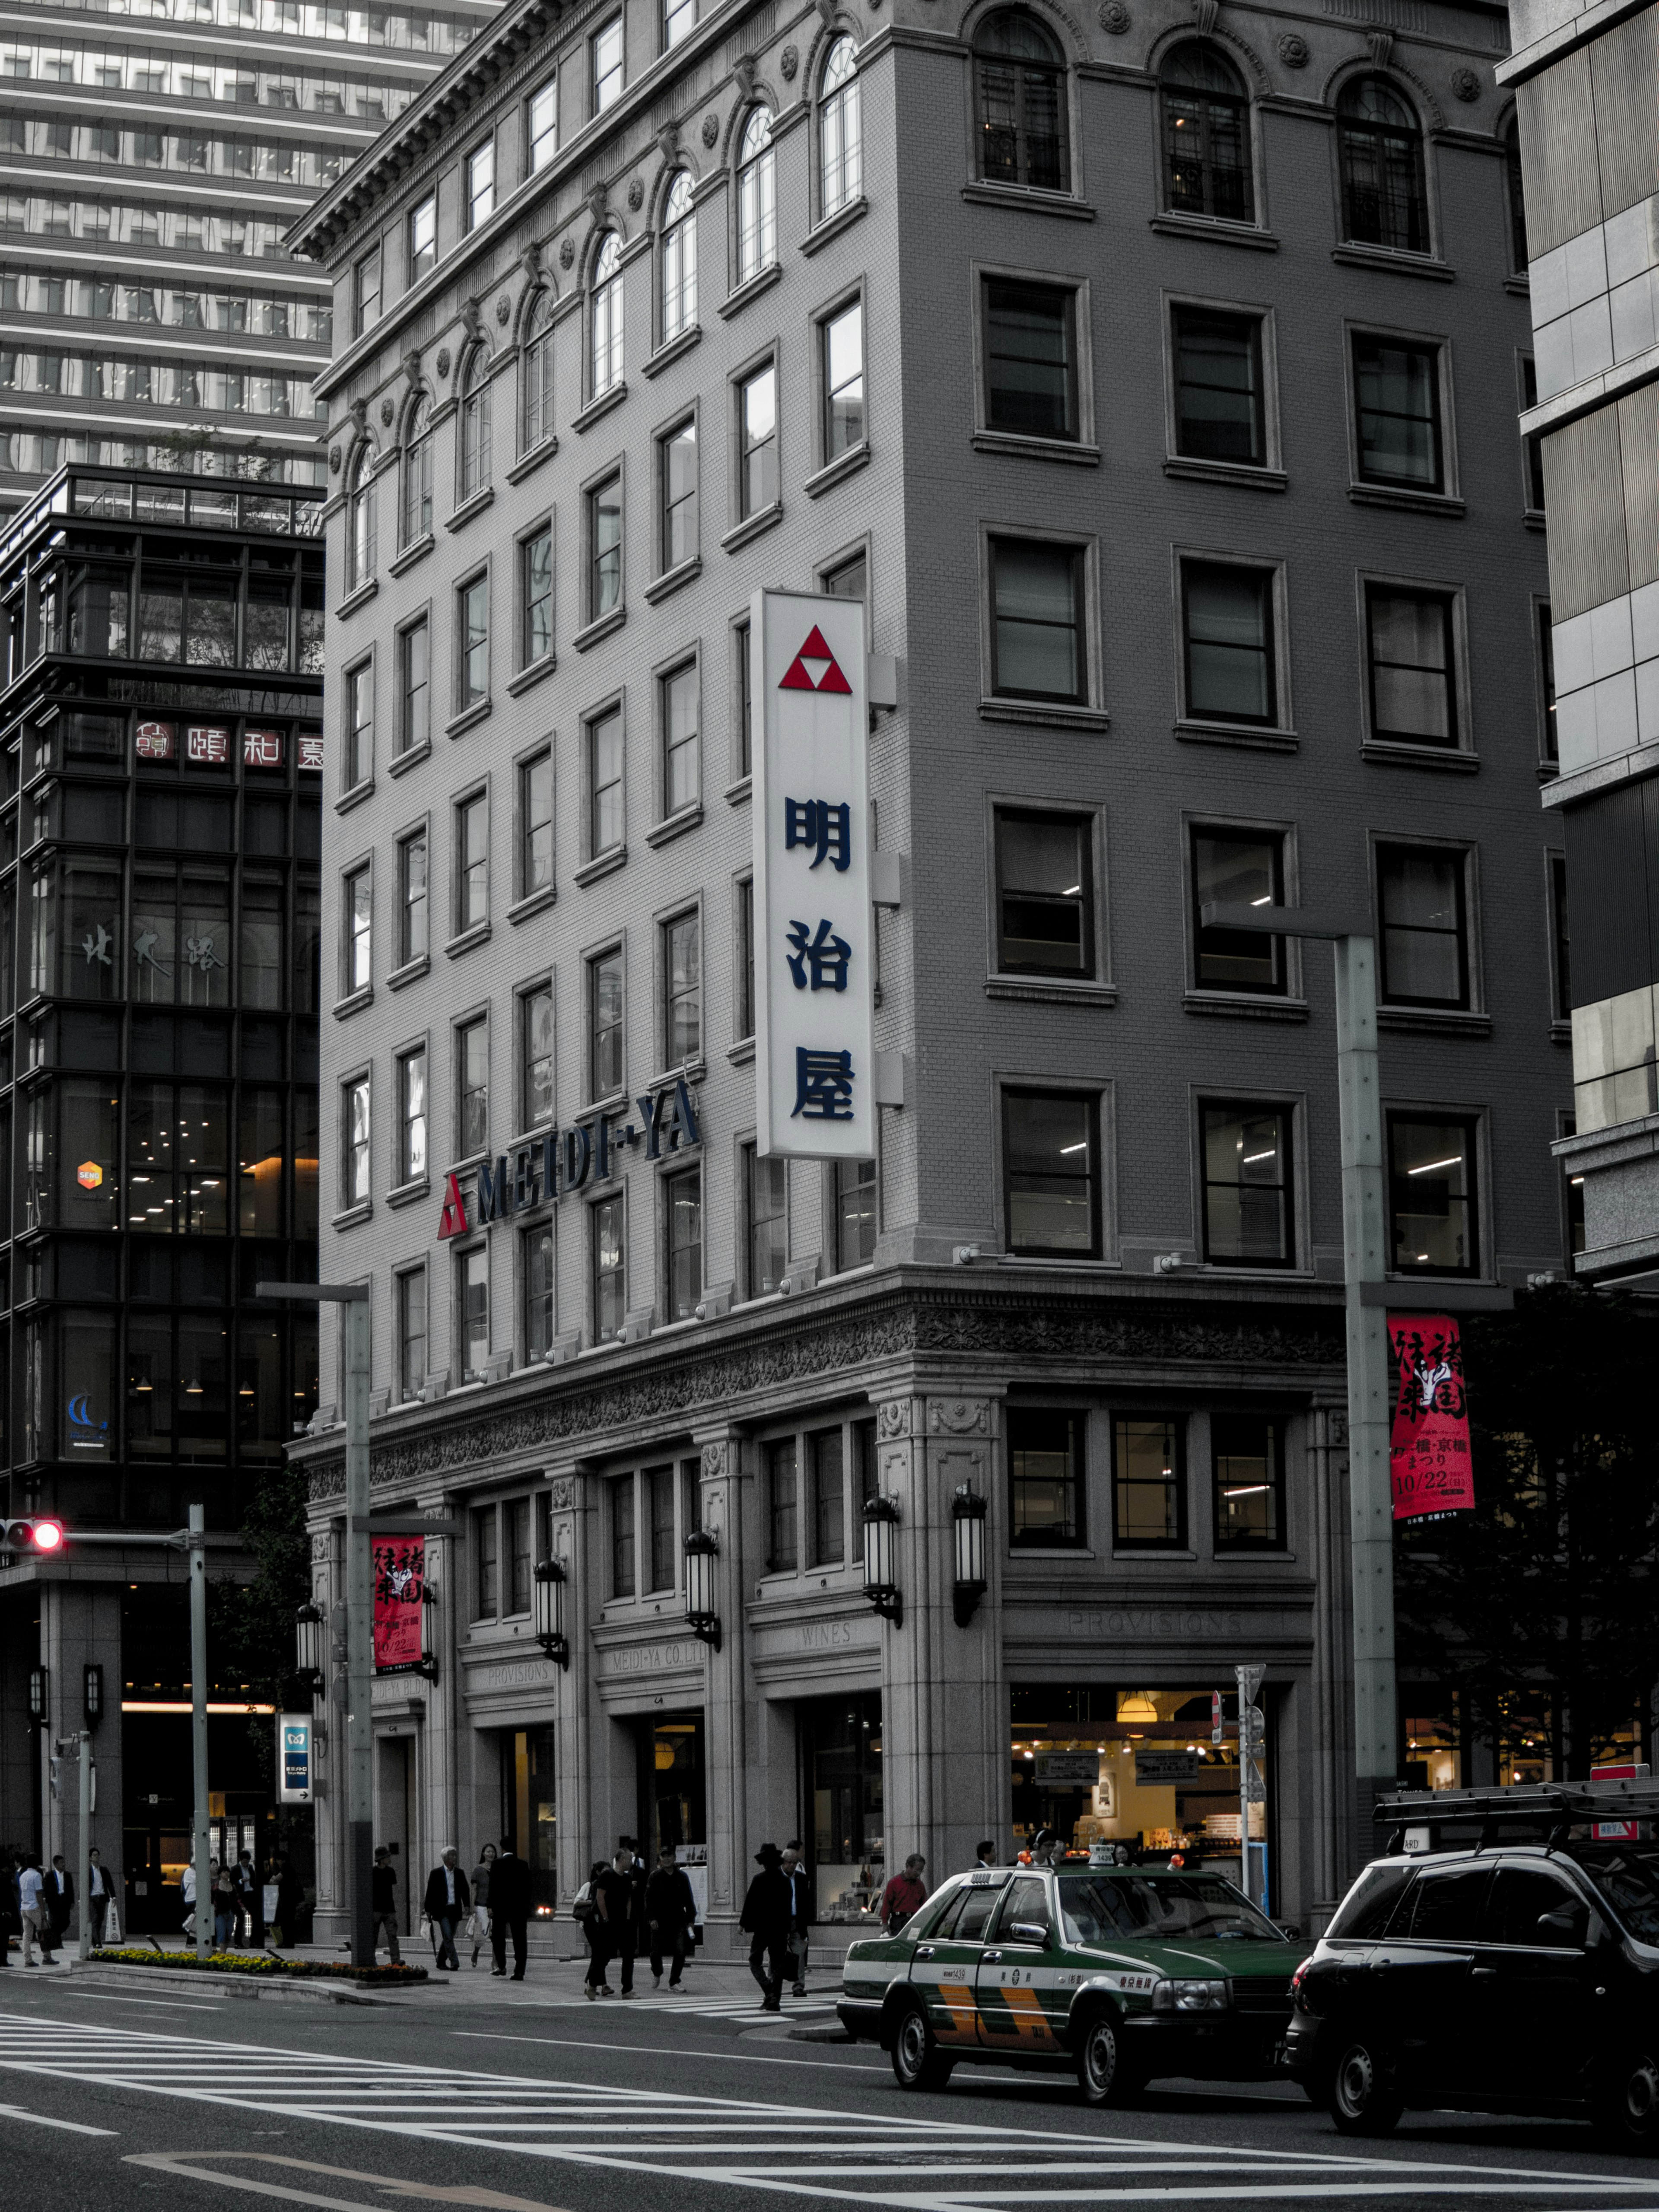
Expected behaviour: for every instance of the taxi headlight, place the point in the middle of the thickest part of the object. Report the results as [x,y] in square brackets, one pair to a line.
[1190,1997]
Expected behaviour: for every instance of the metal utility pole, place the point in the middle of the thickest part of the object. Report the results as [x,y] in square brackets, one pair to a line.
[359,1603]
[1252,1787]
[198,1727]
[83,1844]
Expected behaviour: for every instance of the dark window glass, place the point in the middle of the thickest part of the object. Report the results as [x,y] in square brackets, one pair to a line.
[1218,404]
[1532,449]
[1020,81]
[659,1499]
[1045,1476]
[1229,642]
[855,1213]
[1247,1186]
[604,1020]
[783,1547]
[1238,867]
[1420,897]
[683,1201]
[1446,1908]
[1149,1492]
[768,1224]
[1517,197]
[1044,897]
[865,1478]
[828,1498]
[1049,1147]
[1380,152]
[745,979]
[1207,136]
[604,543]
[1367,1908]
[1397,403]
[1559,941]
[1530,1909]
[487,1563]
[1037,608]
[536,1247]
[609,1269]
[1431,1196]
[516,1513]
[1413,699]
[1547,682]
[1248,1453]
[1030,374]
[623,1567]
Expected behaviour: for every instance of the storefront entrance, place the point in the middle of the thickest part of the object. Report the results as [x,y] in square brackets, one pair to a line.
[530,1813]
[840,1747]
[672,1791]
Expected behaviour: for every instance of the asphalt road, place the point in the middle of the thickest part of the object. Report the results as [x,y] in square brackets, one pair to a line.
[510,2099]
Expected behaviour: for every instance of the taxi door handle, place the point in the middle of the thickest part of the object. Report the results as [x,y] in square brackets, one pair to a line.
[924,1950]
[1483,1973]
[1381,1965]
[989,1957]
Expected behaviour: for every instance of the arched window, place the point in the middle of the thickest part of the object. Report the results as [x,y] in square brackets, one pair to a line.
[1019,76]
[538,371]
[607,315]
[757,197]
[1207,136]
[841,138]
[417,473]
[475,424]
[1380,147]
[360,544]
[1518,203]
[679,260]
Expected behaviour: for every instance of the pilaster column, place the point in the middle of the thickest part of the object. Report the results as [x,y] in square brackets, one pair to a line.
[735,1804]
[332,1919]
[576,1546]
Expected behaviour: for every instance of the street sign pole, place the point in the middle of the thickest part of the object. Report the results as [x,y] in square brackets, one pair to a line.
[198,1727]
[83,1845]
[1251,1787]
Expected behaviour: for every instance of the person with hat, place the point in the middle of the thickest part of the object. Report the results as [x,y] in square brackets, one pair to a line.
[765,1921]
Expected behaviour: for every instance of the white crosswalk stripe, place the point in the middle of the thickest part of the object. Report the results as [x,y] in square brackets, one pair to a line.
[744,2010]
[919,2165]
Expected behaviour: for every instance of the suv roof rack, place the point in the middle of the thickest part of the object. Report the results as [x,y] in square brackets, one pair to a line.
[1558,1806]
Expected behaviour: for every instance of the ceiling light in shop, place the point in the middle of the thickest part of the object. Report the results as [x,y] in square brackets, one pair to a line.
[1136,1706]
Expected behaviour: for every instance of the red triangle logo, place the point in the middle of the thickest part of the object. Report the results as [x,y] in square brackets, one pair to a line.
[815,668]
[452,1221]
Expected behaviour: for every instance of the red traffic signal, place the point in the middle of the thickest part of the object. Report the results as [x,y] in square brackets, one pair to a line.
[40,1537]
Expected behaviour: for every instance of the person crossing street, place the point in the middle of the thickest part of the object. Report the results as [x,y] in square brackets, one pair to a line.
[671,1910]
[383,1901]
[446,1905]
[765,1921]
[509,1909]
[800,1914]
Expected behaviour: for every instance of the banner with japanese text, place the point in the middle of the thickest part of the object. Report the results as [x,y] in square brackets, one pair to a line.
[1430,1465]
[399,1586]
[814,969]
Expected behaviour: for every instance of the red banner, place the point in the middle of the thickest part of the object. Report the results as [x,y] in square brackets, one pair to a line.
[399,1583]
[1429,1455]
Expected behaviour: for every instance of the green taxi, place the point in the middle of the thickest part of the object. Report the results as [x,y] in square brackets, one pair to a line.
[1120,1974]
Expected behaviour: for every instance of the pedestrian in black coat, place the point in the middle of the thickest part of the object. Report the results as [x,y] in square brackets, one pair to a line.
[509,1908]
[765,1920]
[446,1905]
[60,1894]
[671,1913]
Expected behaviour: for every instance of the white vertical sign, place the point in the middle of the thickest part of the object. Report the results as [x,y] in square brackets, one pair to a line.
[814,939]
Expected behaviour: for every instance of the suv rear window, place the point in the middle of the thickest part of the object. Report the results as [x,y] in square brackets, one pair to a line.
[1447,1906]
[1365,1911]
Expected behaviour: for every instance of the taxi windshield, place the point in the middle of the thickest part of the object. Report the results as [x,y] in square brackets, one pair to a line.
[1119,1907]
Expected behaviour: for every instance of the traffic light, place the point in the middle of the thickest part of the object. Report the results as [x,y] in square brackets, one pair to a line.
[39,1537]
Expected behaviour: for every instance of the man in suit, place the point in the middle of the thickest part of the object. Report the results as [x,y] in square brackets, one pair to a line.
[670,1911]
[60,1901]
[800,1914]
[446,1905]
[509,1908]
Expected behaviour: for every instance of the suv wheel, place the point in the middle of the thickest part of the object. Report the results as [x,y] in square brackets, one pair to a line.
[1102,2072]
[1627,2100]
[1363,2101]
[918,2061]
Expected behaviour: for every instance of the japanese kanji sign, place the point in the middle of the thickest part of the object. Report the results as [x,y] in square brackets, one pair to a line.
[399,1583]
[814,969]
[155,741]
[262,748]
[207,741]
[1429,1455]
[311,750]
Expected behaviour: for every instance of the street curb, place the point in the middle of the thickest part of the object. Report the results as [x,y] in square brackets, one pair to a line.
[825,2032]
[234,1985]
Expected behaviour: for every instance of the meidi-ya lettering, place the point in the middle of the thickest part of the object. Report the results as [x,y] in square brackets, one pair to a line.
[541,1172]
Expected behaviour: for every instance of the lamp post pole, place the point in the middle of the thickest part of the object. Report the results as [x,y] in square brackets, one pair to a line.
[198,1724]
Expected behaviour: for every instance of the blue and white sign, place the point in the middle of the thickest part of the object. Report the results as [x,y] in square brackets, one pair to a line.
[294,1780]
[814,952]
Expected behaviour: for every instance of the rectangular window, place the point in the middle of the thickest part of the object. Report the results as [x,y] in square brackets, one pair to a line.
[1048,1150]
[1030,359]
[1219,410]
[757,431]
[544,125]
[472,1088]
[1238,867]
[867,1473]
[1409,640]
[658,1485]
[423,239]
[677,461]
[604,541]
[605,782]
[487,1562]
[536,555]
[678,21]
[1560,944]
[359,762]
[411,1332]
[473,641]
[516,1514]
[472,1275]
[1396,397]
[855,1213]
[843,382]
[678,701]
[1422,905]
[746,702]
[414,685]
[1227,633]
[1532,449]
[605,51]
[359,931]
[412,1116]
[682,1197]
[1547,749]
[1431,1195]
[471,863]
[623,1568]
[355,1128]
[609,1270]
[1036,620]
[411,899]
[766,1195]
[1045,1478]
[783,1508]
[366,278]
[745,959]
[480,184]
[535,1057]
[1247,1453]
[1045,899]
[1248,1219]
[1149,1492]
[536,1257]
[605,1024]
[682,979]
[826,1465]
[535,825]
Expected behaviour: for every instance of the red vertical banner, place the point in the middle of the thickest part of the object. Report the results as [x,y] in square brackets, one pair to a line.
[399,1585]
[1433,1476]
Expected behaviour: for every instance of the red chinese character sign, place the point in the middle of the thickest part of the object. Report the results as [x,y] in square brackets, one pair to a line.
[814,970]
[262,748]
[1432,1473]
[154,741]
[399,1586]
[311,752]
[207,744]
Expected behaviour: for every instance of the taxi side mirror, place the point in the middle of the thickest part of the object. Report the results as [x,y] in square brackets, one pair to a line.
[1289,1930]
[1028,1931]
[1567,1924]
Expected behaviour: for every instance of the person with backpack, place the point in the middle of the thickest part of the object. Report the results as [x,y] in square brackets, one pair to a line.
[671,1913]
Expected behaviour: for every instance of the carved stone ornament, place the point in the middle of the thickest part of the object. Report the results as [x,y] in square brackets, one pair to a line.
[744,69]
[471,317]
[442,363]
[1381,45]
[1294,50]
[668,139]
[503,310]
[1204,14]
[1465,84]
[1115,17]
[334,461]
[711,129]
[636,195]
[360,414]
[412,364]
[597,203]
[893,1419]
[567,252]
[959,1417]
[386,414]
[789,61]
[564,1494]
[714,1460]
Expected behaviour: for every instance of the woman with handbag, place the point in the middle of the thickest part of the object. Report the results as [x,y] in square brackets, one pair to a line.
[478,1926]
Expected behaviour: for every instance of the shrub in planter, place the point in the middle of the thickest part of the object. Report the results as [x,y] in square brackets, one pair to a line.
[262,1964]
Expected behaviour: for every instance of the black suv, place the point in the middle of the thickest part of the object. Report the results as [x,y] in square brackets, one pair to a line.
[1511,1978]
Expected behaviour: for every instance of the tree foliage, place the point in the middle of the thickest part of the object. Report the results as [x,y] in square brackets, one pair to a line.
[250,1625]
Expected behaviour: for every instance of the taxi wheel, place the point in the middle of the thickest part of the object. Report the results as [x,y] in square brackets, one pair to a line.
[1363,2101]
[1627,2101]
[1102,2074]
[918,2061]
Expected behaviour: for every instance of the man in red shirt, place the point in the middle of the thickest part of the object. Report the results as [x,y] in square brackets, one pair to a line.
[905,1894]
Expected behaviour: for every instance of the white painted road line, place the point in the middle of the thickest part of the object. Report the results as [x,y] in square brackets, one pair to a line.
[40,2120]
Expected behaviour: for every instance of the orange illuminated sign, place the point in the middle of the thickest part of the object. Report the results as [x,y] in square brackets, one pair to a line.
[88,1175]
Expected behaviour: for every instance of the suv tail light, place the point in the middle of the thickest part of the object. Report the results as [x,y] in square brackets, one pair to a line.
[1298,2003]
